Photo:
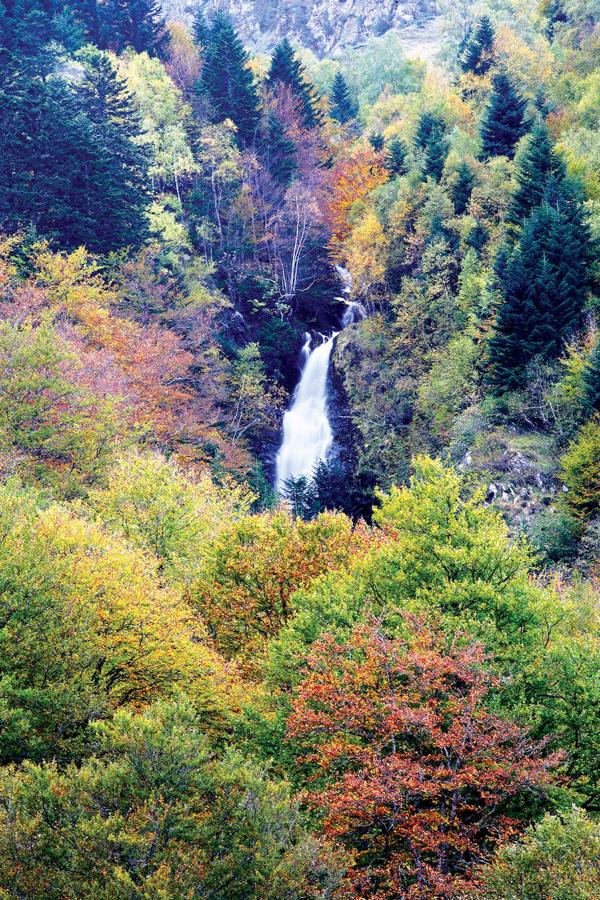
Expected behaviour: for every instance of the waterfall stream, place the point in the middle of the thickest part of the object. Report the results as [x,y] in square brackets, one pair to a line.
[307,435]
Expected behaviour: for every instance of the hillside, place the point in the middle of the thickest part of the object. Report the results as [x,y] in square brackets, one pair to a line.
[299,452]
[323,26]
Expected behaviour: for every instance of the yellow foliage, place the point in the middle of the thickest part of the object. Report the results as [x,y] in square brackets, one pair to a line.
[366,253]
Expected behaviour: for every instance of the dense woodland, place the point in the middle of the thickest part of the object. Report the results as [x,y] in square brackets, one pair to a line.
[386,685]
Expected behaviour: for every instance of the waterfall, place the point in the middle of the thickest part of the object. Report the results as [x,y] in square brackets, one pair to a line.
[307,434]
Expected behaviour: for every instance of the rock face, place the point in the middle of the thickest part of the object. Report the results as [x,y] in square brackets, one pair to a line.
[324,26]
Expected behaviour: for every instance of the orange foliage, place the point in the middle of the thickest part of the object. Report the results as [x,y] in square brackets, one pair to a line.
[352,179]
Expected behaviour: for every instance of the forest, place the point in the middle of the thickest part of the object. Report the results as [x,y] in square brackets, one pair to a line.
[226,675]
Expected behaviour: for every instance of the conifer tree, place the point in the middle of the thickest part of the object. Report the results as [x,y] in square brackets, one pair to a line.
[395,158]
[343,107]
[118,198]
[227,82]
[431,139]
[134,23]
[287,69]
[591,382]
[463,187]
[503,122]
[200,31]
[536,164]
[278,151]
[543,284]
[478,52]
[376,141]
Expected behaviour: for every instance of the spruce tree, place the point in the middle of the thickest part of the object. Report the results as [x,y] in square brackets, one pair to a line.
[376,141]
[477,55]
[343,107]
[287,69]
[431,139]
[226,81]
[543,284]
[278,151]
[133,23]
[395,158]
[462,189]
[591,382]
[503,122]
[536,165]
[200,32]
[118,197]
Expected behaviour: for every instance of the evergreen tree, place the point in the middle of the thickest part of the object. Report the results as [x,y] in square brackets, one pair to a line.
[431,139]
[133,23]
[503,122]
[543,284]
[376,141]
[477,55]
[226,81]
[278,151]
[591,382]
[343,107]
[118,198]
[477,237]
[536,164]
[287,69]
[462,189]
[200,32]
[395,158]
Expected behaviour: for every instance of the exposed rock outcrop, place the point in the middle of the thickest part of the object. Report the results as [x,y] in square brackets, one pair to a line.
[324,26]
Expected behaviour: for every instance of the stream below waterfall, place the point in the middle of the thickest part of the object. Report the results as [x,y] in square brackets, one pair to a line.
[307,437]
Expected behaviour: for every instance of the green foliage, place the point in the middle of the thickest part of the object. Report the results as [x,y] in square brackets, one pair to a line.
[536,165]
[430,139]
[286,69]
[156,813]
[462,188]
[591,382]
[396,158]
[478,50]
[343,107]
[581,471]
[559,859]
[503,122]
[133,23]
[278,151]
[226,81]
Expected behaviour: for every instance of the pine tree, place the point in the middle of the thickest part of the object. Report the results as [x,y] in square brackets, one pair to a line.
[278,151]
[376,141]
[591,382]
[343,107]
[536,164]
[503,122]
[118,198]
[462,189]
[133,23]
[543,284]
[431,139]
[395,158]
[227,82]
[477,55]
[287,69]
[200,31]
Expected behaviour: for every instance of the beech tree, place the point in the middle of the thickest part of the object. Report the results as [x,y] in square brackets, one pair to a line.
[407,767]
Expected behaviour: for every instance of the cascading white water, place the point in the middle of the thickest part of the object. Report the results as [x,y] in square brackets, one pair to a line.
[307,434]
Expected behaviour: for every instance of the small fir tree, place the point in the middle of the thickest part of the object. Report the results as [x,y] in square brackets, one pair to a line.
[227,82]
[462,189]
[536,164]
[503,123]
[478,51]
[134,23]
[343,107]
[376,141]
[278,151]
[200,31]
[431,140]
[591,382]
[287,69]
[395,158]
